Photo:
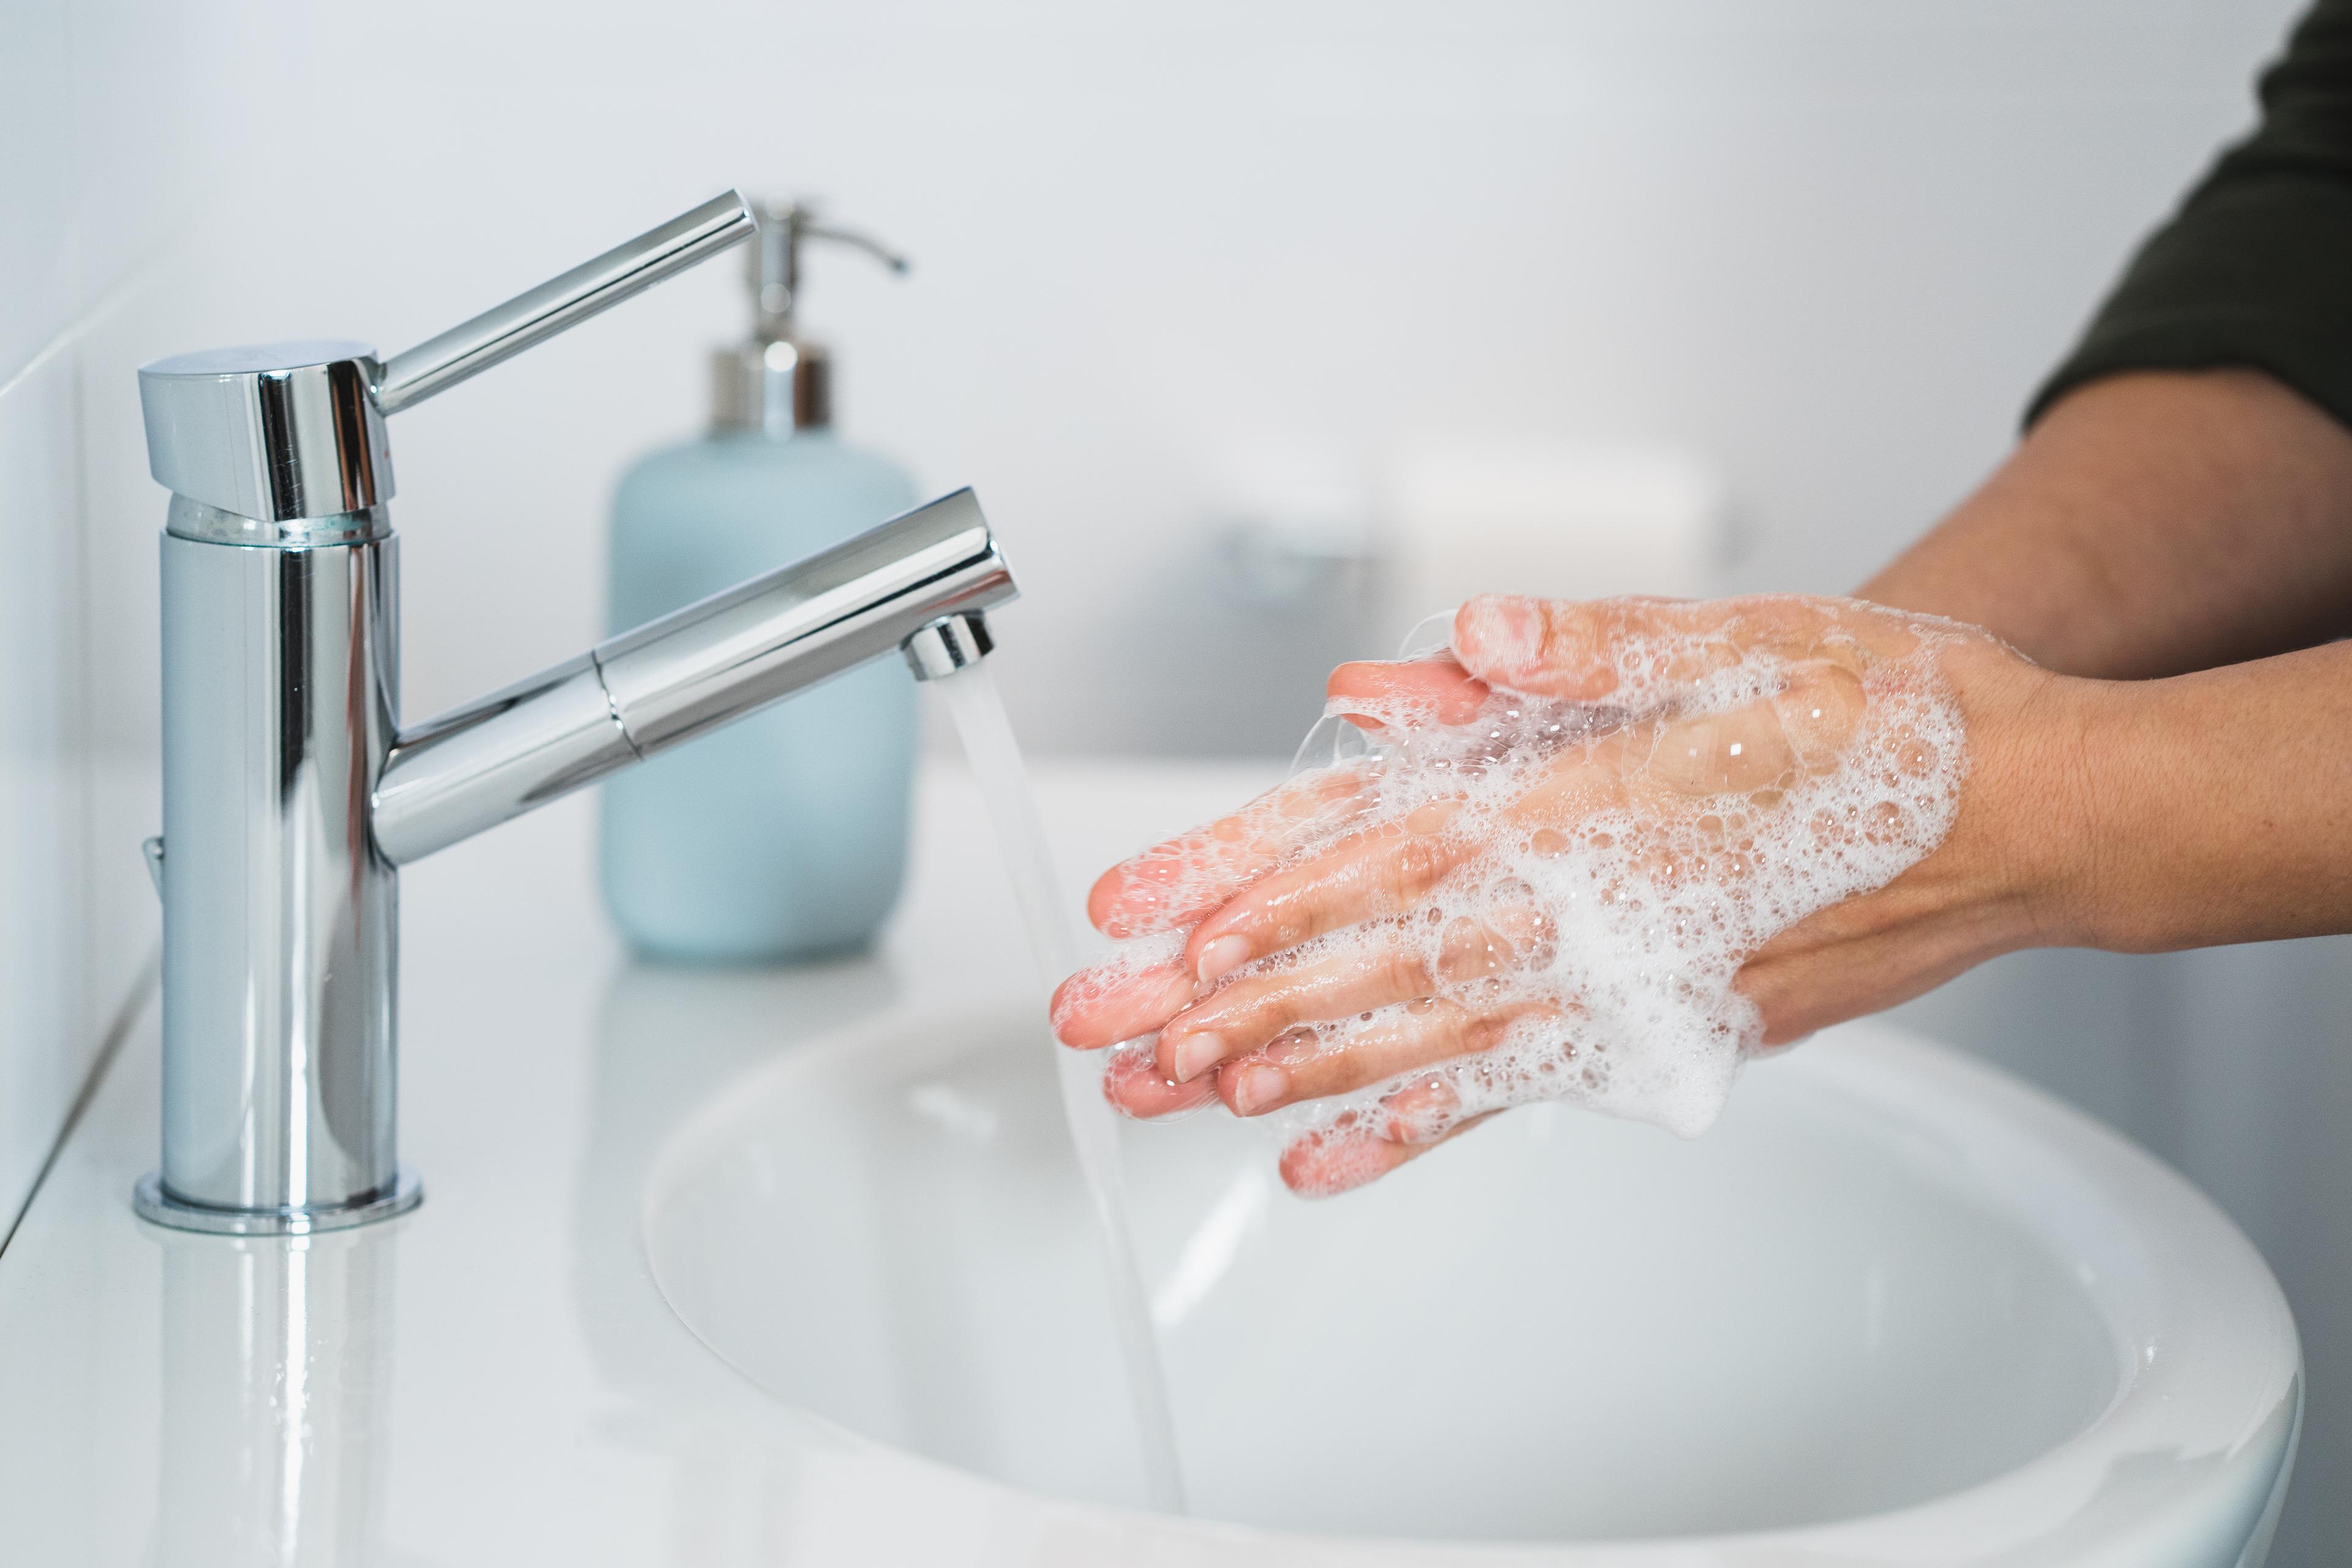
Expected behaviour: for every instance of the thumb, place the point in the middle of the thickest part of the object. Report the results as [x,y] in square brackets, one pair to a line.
[1452,696]
[1554,648]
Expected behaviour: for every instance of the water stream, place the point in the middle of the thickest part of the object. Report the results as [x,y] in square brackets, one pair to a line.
[979,712]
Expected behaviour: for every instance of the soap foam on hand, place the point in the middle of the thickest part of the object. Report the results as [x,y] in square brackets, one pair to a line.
[1612,862]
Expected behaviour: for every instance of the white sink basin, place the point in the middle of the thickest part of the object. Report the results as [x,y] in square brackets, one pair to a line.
[1895,1308]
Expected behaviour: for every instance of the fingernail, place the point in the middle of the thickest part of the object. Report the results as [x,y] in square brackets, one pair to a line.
[1221,957]
[1501,632]
[1196,1054]
[1292,1047]
[1258,1087]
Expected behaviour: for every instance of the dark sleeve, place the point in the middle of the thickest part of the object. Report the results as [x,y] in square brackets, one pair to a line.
[2255,270]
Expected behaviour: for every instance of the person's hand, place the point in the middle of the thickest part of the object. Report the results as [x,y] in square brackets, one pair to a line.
[1597,854]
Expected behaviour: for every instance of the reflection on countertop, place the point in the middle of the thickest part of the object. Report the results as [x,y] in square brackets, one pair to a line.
[276,1394]
[170,1399]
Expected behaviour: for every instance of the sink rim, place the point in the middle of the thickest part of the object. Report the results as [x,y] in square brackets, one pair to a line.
[2208,1364]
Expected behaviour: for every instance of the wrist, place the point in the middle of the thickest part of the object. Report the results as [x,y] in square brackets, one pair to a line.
[2197,810]
[2048,755]
[2026,839]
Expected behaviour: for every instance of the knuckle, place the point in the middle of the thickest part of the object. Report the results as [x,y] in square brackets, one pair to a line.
[1405,974]
[1415,865]
[1572,640]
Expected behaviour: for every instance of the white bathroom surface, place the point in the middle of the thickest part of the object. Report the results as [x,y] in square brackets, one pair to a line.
[1622,1335]
[498,1378]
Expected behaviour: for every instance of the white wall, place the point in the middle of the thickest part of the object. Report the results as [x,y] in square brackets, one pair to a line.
[1826,245]
[105,155]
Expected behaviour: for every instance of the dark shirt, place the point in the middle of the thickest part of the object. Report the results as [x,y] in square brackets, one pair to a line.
[2255,270]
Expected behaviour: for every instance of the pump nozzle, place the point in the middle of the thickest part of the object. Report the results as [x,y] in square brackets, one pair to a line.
[778,382]
[773,264]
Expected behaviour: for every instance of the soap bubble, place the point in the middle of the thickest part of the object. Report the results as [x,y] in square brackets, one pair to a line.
[1599,871]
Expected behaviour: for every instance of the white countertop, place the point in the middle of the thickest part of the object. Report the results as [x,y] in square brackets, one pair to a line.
[495,1379]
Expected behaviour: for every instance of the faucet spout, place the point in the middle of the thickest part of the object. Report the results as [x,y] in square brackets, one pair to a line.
[676,678]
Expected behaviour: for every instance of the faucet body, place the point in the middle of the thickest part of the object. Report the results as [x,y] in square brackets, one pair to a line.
[292,794]
[280,946]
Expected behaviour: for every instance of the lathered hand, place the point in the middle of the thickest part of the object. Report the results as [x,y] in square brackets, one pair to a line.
[1597,853]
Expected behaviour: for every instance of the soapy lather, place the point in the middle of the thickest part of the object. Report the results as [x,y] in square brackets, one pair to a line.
[1482,897]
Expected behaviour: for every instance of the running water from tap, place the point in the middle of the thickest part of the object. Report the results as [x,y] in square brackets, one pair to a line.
[979,712]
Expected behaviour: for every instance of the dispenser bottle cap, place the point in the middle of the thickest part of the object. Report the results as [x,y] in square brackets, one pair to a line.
[778,382]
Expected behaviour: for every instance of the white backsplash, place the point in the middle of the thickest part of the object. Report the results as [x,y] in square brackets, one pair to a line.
[45,1001]
[118,123]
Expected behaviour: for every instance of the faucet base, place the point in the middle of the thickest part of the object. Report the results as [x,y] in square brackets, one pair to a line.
[158,1207]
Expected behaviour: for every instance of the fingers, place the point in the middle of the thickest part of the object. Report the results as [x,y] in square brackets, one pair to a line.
[1559,647]
[1326,1164]
[1440,689]
[1360,1145]
[1804,728]
[1584,650]
[1380,876]
[1385,872]
[1305,1065]
[1247,1014]
[1174,883]
[1134,1086]
[1115,1001]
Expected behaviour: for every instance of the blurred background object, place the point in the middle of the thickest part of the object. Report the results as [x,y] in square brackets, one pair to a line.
[1273,588]
[784,837]
[1551,519]
[1218,301]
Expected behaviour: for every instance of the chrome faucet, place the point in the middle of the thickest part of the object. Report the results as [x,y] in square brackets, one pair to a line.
[293,793]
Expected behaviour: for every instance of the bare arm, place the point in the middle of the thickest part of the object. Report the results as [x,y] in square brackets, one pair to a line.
[2191,525]
[2151,524]
[2218,804]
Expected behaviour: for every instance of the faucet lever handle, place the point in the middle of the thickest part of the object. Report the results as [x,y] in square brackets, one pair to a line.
[441,363]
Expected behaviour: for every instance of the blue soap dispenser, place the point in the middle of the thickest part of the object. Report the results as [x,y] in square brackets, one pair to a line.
[785,835]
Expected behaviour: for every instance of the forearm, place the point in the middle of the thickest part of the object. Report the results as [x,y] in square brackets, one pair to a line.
[2151,524]
[2214,807]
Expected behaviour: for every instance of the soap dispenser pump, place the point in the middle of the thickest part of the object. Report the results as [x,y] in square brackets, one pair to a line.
[784,836]
[777,381]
